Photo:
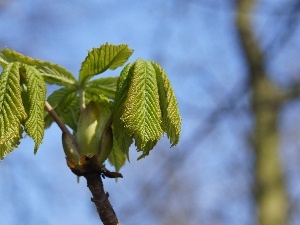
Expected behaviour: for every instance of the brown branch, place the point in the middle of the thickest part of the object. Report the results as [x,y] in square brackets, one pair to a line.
[100,198]
[58,120]
[94,182]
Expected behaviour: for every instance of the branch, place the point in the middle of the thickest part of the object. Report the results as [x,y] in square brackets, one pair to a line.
[94,182]
[57,119]
[269,188]
[100,198]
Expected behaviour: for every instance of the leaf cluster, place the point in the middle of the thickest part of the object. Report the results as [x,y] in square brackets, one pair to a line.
[22,99]
[145,107]
[141,99]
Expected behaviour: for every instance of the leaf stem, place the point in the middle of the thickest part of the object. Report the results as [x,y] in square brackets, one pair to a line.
[2,63]
[57,119]
[81,99]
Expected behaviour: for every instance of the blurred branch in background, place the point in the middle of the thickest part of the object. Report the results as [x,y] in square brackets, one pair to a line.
[285,30]
[269,183]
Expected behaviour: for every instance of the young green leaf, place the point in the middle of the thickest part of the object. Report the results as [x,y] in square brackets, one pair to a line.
[105,88]
[123,138]
[36,92]
[52,73]
[145,107]
[66,104]
[142,115]
[12,112]
[117,158]
[171,120]
[100,59]
[9,141]
[57,75]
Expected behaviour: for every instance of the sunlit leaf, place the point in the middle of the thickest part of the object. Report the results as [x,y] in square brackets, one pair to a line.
[145,107]
[57,75]
[52,73]
[100,59]
[142,115]
[12,112]
[36,92]
[171,120]
[105,88]
[120,133]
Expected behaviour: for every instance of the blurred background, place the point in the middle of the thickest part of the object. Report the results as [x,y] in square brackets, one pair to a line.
[234,66]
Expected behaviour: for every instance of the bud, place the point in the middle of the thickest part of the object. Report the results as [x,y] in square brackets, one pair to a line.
[106,142]
[71,150]
[91,125]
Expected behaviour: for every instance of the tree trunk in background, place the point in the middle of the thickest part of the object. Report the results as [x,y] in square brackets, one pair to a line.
[269,187]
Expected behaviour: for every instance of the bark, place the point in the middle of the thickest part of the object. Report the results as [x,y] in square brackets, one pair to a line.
[269,187]
[100,198]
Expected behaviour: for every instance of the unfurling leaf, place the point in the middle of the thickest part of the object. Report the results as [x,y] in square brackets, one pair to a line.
[123,138]
[12,112]
[171,120]
[145,107]
[142,115]
[103,88]
[117,158]
[36,94]
[100,59]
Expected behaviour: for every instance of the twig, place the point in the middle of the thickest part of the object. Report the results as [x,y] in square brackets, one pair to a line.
[94,182]
[100,198]
[57,119]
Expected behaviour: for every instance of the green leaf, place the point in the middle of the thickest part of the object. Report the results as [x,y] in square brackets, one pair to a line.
[94,95]
[142,115]
[171,120]
[117,158]
[57,75]
[9,142]
[36,92]
[145,107]
[101,99]
[122,136]
[100,59]
[66,104]
[52,73]
[105,88]
[12,112]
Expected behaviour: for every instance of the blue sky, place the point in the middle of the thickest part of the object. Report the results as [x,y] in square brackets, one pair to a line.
[196,45]
[183,38]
